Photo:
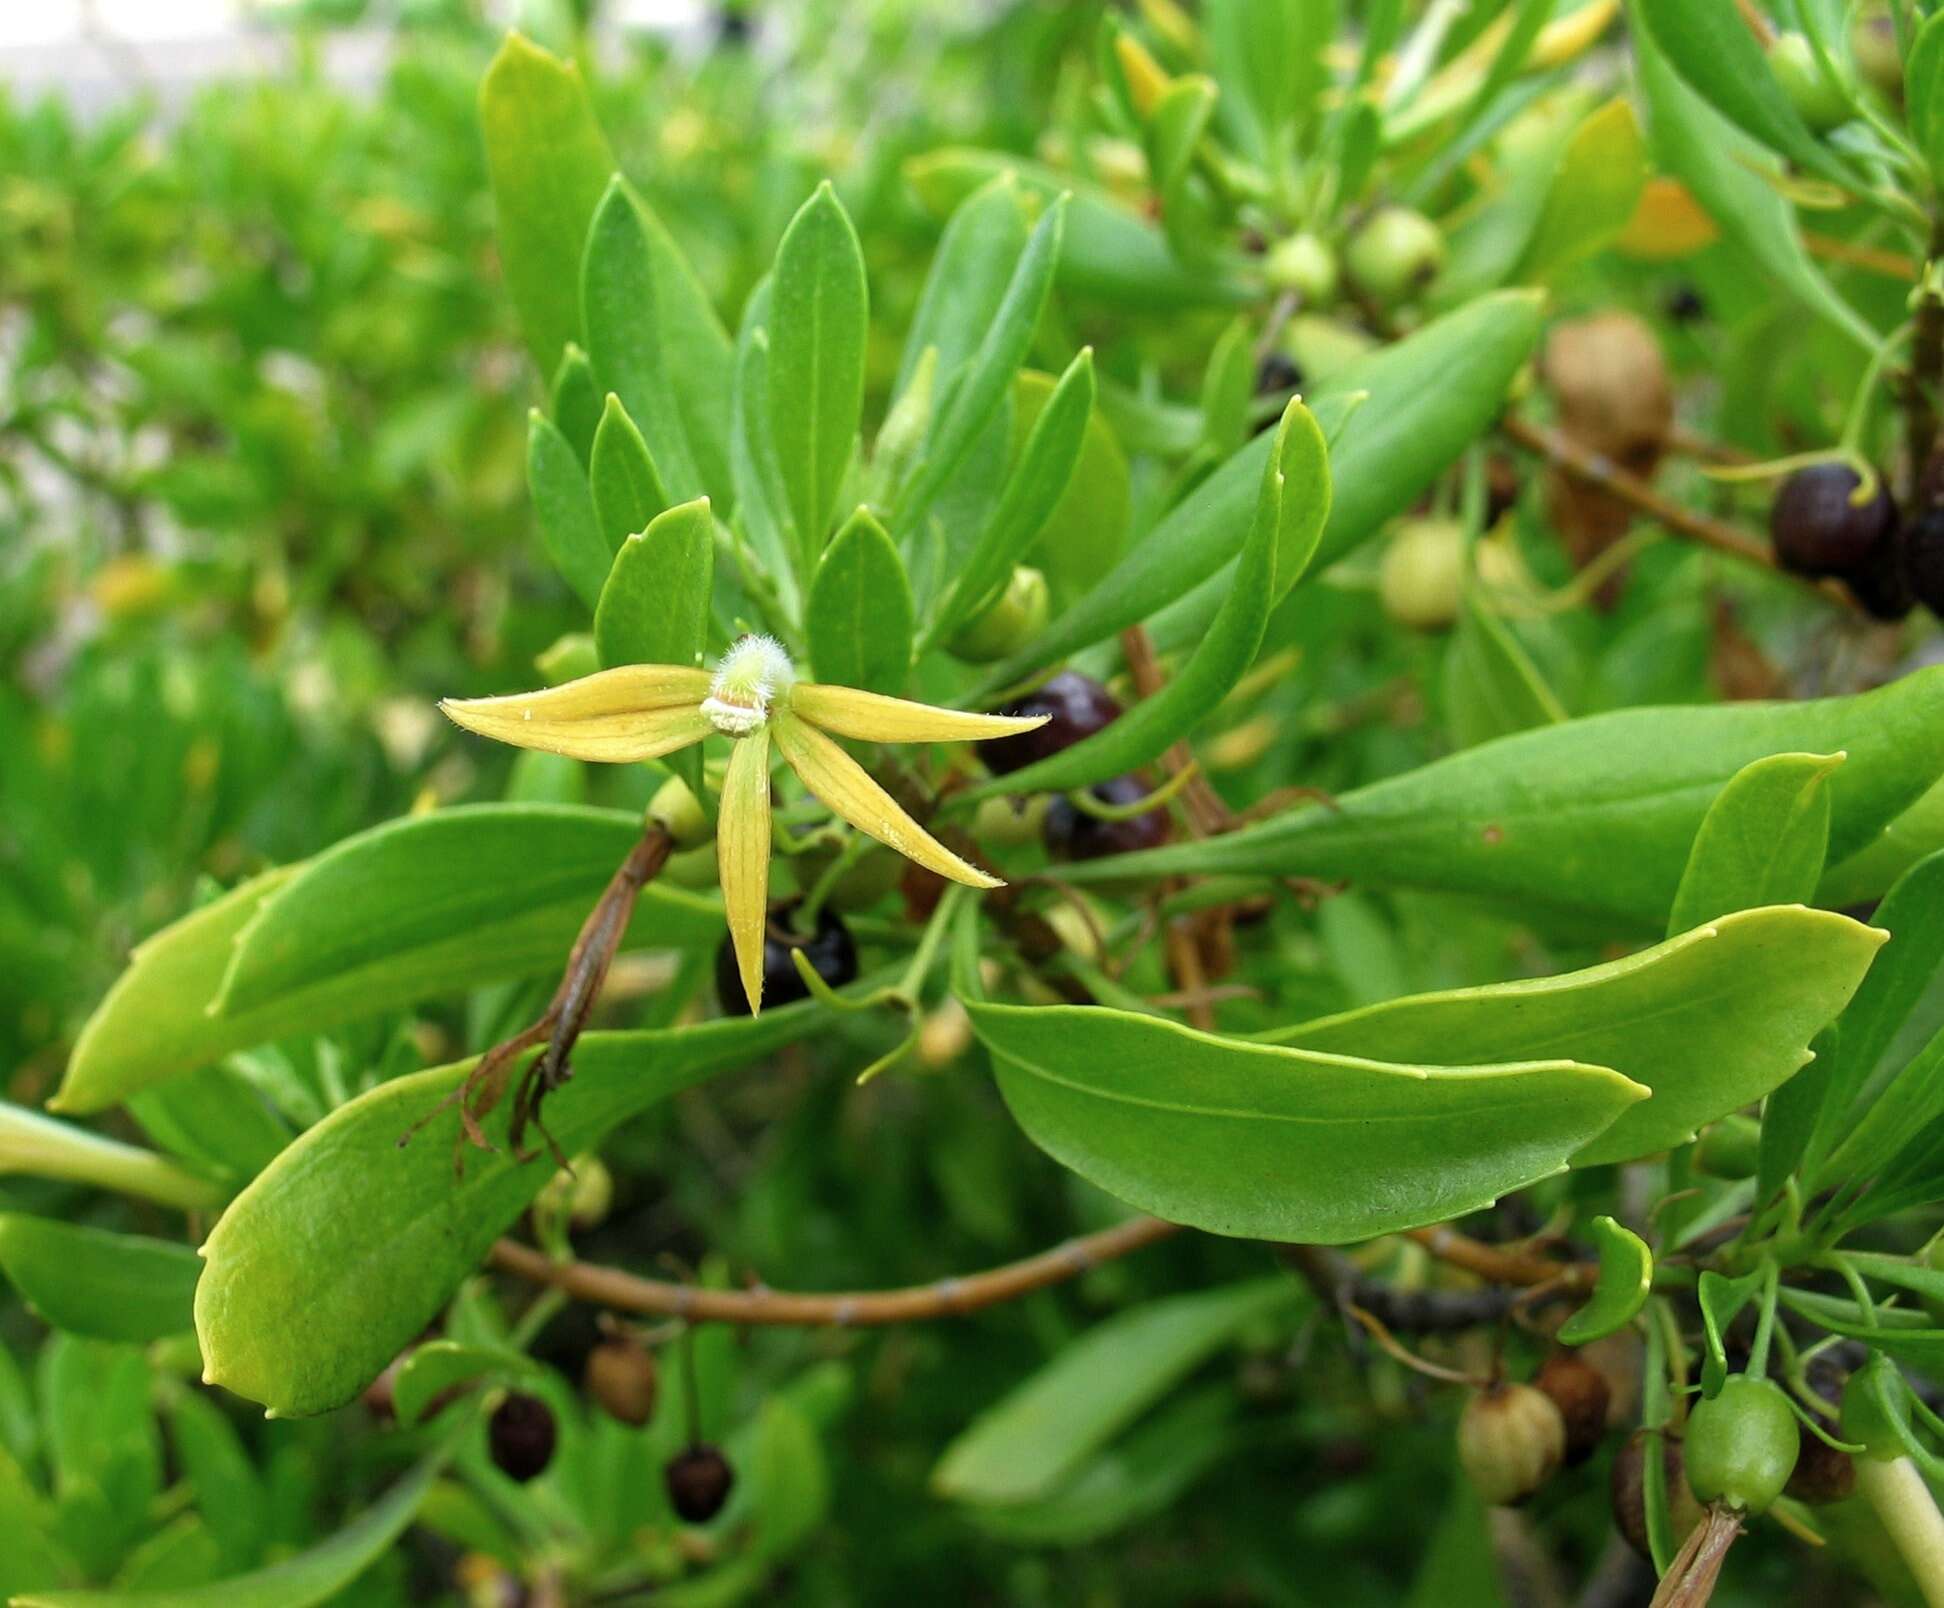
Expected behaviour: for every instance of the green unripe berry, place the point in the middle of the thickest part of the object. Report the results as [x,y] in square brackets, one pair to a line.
[1395,254]
[1818,101]
[675,809]
[1303,263]
[1742,1446]
[1423,574]
[1018,615]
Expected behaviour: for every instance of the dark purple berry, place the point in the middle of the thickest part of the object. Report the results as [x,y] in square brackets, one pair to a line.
[1078,706]
[1819,531]
[521,1436]
[1923,559]
[1684,304]
[699,1481]
[831,951]
[1277,373]
[1884,585]
[1072,834]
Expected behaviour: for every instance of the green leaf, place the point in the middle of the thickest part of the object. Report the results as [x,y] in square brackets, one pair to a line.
[1022,1448]
[1492,687]
[1460,1567]
[1597,188]
[1038,482]
[971,404]
[576,400]
[967,281]
[1896,1013]
[1086,532]
[762,507]
[1268,1143]
[655,606]
[92,1282]
[1626,1279]
[549,163]
[1762,841]
[1924,92]
[789,1478]
[430,1370]
[1592,818]
[627,488]
[1405,435]
[1720,1300]
[656,342]
[1909,1105]
[229,1493]
[1141,1474]
[1173,135]
[860,616]
[1735,182]
[40,1147]
[214,1121]
[1914,835]
[1709,1021]
[347,1245]
[819,325]
[1293,502]
[1112,255]
[409,909]
[308,1578]
[1711,46]
[570,527]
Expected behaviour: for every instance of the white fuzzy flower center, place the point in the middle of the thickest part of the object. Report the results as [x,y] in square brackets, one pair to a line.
[750,676]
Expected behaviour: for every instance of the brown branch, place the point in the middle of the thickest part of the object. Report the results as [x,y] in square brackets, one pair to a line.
[1596,469]
[1204,805]
[948,1298]
[1499,1266]
[1926,375]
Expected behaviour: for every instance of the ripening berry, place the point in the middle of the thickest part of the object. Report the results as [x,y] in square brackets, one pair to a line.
[1305,265]
[699,1481]
[1817,98]
[1582,1395]
[1073,834]
[621,1375]
[1396,254]
[1819,530]
[1076,706]
[831,951]
[1627,1487]
[521,1435]
[1742,1445]
[1511,1440]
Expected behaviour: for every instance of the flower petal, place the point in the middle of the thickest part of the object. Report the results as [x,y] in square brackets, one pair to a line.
[871,717]
[743,856]
[638,711]
[846,788]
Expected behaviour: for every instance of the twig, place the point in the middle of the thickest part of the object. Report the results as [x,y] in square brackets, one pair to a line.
[1595,469]
[1926,370]
[1498,1266]
[948,1298]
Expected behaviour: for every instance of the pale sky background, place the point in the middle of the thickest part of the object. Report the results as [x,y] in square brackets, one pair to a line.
[50,22]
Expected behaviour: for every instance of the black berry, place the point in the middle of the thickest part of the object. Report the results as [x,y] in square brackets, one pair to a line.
[1884,585]
[1072,834]
[521,1435]
[1276,373]
[1923,559]
[1819,531]
[830,949]
[1078,706]
[699,1481]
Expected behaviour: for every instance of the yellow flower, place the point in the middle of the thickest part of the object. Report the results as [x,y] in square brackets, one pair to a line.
[642,711]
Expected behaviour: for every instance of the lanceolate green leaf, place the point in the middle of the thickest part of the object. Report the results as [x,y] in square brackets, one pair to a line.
[655,606]
[570,528]
[1711,46]
[1086,532]
[860,615]
[1291,506]
[439,1366]
[549,163]
[407,910]
[1035,488]
[310,1577]
[1408,431]
[92,1282]
[576,401]
[819,322]
[347,1245]
[1924,92]
[969,271]
[1709,1021]
[41,1147]
[1492,688]
[1734,179]
[1594,817]
[627,488]
[1762,841]
[1268,1143]
[1025,1445]
[969,405]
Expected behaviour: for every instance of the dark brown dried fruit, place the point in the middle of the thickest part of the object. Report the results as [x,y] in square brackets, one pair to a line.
[1582,1395]
[699,1481]
[621,1375]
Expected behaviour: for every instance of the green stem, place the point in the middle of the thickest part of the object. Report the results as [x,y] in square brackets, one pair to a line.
[44,1148]
[1908,1511]
[1758,1353]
